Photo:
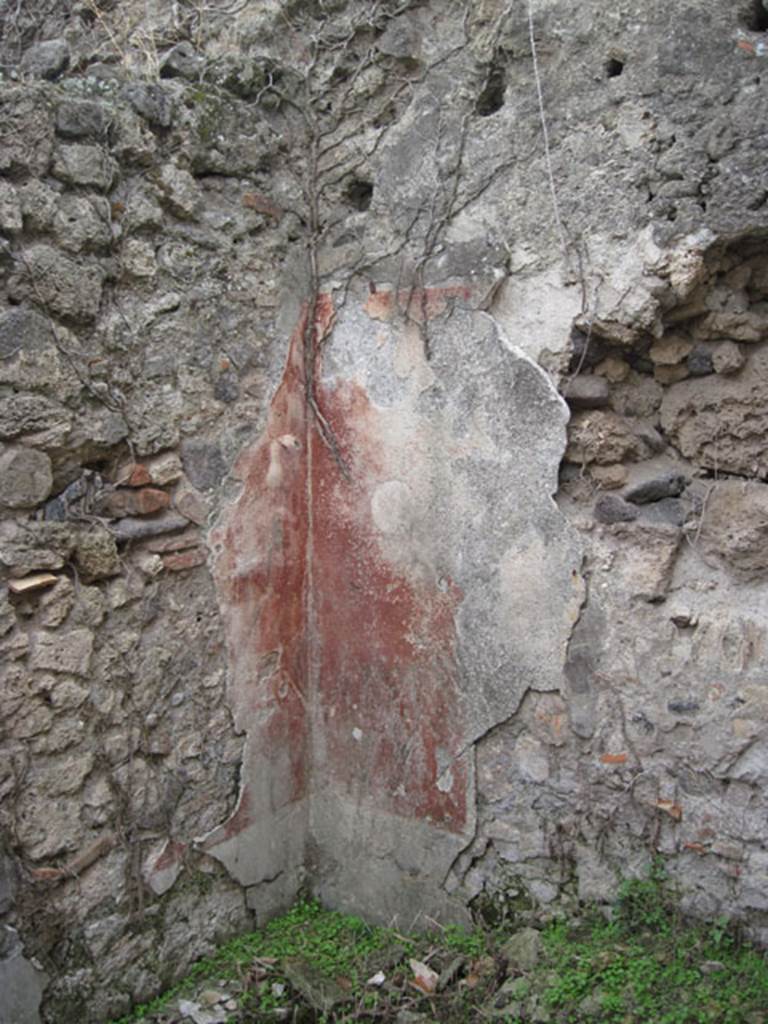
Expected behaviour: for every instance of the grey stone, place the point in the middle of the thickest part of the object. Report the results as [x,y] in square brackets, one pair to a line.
[96,554]
[23,329]
[10,209]
[610,508]
[134,142]
[63,652]
[321,992]
[602,437]
[142,211]
[670,511]
[180,192]
[152,102]
[586,391]
[56,603]
[182,62]
[78,119]
[83,224]
[226,387]
[732,530]
[9,881]
[27,414]
[26,131]
[699,362]
[746,325]
[21,990]
[138,258]
[78,499]
[135,529]
[7,615]
[645,558]
[38,204]
[26,478]
[524,949]
[668,485]
[33,545]
[203,463]
[727,358]
[719,422]
[68,289]
[81,164]
[46,60]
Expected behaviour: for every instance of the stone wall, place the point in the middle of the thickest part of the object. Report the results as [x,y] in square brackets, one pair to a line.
[305,581]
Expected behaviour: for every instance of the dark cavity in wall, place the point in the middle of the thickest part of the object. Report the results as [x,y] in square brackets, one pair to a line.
[756,16]
[359,193]
[614,67]
[491,98]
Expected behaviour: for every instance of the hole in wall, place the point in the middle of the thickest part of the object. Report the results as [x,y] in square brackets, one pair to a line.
[755,16]
[491,98]
[614,67]
[359,193]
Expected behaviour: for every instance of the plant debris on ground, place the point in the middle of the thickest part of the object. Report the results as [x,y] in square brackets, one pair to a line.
[643,966]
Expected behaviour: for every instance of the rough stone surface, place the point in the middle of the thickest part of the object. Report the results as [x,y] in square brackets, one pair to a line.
[77,119]
[79,164]
[65,652]
[64,287]
[344,373]
[587,392]
[25,477]
[718,422]
[46,60]
[21,990]
[733,527]
[669,485]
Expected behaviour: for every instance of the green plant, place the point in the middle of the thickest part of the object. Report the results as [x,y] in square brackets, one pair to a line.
[602,970]
[643,903]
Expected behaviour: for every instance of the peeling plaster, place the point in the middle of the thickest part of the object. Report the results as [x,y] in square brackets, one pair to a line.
[378,626]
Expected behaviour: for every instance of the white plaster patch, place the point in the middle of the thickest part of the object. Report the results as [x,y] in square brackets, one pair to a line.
[392,507]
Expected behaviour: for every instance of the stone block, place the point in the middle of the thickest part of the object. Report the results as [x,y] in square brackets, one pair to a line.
[666,485]
[203,463]
[63,652]
[96,554]
[65,288]
[132,528]
[602,437]
[10,209]
[82,224]
[49,59]
[29,414]
[733,527]
[610,508]
[719,422]
[81,164]
[77,119]
[587,391]
[727,358]
[21,990]
[26,131]
[38,204]
[152,101]
[26,477]
[180,192]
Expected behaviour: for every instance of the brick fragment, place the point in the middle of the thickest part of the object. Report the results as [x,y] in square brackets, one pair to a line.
[189,559]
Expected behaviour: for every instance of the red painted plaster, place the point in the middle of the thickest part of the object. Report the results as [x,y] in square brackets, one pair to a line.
[324,632]
[383,658]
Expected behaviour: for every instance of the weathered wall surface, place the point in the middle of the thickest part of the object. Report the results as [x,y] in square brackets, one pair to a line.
[294,590]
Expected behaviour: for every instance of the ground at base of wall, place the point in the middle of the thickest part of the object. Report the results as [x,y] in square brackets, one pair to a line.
[643,965]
